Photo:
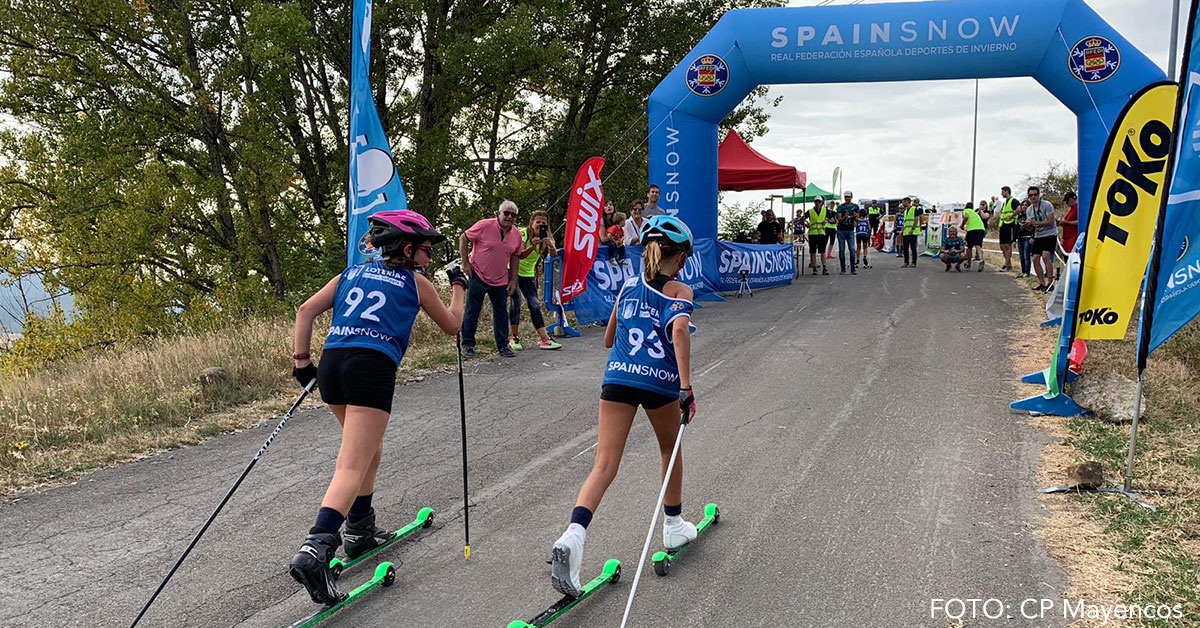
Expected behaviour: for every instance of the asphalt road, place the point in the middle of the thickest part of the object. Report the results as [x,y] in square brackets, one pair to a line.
[853,430]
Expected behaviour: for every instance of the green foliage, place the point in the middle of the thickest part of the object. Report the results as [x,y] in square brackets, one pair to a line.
[176,161]
[1055,181]
[738,218]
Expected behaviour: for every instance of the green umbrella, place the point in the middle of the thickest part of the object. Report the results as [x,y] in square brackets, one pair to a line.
[808,194]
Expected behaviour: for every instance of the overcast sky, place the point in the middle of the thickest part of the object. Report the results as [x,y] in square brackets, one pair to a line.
[890,143]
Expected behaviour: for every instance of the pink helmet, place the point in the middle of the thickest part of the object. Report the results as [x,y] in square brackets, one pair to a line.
[389,228]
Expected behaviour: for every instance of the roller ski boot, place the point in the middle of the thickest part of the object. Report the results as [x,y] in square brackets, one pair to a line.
[363,536]
[566,559]
[310,567]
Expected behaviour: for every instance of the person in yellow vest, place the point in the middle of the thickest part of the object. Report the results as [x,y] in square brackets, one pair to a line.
[973,224]
[831,228]
[908,235]
[1007,208]
[816,219]
[873,211]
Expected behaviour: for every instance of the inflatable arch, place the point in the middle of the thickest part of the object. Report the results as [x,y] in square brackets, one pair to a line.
[1063,44]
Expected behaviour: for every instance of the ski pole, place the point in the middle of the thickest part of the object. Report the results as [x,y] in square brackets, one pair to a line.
[261,450]
[662,494]
[462,407]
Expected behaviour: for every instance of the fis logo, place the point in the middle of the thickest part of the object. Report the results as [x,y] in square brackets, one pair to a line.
[1099,316]
[1094,59]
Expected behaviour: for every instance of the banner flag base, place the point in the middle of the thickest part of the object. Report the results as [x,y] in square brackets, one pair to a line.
[1054,322]
[1058,405]
[1039,378]
[1131,493]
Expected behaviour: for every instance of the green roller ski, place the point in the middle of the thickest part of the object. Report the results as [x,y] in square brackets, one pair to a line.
[662,560]
[385,575]
[424,520]
[611,574]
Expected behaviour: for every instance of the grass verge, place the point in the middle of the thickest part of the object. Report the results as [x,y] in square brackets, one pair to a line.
[1114,551]
[134,400]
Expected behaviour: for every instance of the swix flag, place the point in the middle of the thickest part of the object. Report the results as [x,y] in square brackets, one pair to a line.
[582,229]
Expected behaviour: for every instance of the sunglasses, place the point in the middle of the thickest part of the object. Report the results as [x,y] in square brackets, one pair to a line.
[1033,193]
[427,248]
[510,214]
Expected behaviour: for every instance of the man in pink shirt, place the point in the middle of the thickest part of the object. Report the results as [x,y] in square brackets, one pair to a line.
[492,263]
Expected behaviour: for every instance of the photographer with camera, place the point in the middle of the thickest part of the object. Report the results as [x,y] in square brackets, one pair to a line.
[536,241]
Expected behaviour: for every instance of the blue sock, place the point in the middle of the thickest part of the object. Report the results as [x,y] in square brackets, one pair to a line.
[329,520]
[582,516]
[361,507]
[673,511]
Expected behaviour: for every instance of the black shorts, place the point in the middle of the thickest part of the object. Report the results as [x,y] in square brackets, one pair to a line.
[817,242]
[975,237]
[1008,233]
[862,238]
[635,396]
[357,377]
[1045,244]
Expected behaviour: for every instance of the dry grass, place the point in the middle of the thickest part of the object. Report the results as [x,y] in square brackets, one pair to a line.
[119,406]
[1114,552]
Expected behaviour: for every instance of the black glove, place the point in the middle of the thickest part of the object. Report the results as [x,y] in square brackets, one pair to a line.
[305,374]
[456,275]
[687,404]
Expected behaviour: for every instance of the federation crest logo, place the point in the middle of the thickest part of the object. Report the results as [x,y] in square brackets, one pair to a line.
[675,307]
[364,245]
[1094,59]
[629,308]
[707,75]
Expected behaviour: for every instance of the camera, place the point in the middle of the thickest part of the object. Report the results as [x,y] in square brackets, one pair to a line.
[543,231]
[743,272]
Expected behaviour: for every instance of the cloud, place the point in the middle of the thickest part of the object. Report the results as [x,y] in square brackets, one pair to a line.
[892,139]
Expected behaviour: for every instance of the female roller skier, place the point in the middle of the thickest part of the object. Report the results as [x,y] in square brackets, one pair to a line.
[649,333]
[375,305]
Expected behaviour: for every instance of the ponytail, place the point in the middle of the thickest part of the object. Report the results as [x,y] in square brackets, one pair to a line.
[651,260]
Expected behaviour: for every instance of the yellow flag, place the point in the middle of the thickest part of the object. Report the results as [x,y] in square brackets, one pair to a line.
[1125,205]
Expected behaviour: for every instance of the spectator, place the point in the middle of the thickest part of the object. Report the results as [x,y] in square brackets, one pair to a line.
[1070,222]
[633,226]
[768,230]
[536,241]
[493,263]
[1045,237]
[912,228]
[652,208]
[606,222]
[817,217]
[897,240]
[952,250]
[986,211]
[847,216]
[873,211]
[1025,239]
[862,234]
[831,228]
[616,239]
[798,227]
[1008,226]
[973,223]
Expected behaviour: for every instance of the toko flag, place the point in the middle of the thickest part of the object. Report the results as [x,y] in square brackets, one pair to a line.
[1172,292]
[582,229]
[373,182]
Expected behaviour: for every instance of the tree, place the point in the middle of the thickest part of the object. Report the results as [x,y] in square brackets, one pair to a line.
[1055,181]
[737,218]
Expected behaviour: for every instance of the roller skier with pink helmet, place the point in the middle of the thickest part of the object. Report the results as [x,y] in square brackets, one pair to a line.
[374,307]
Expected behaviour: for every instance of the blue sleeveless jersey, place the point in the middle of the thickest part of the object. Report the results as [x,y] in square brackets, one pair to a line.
[643,355]
[862,227]
[374,308]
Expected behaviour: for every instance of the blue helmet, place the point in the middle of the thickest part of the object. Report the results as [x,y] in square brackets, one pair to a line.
[670,232]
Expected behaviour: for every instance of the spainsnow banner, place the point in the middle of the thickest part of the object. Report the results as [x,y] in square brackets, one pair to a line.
[582,235]
[1173,281]
[766,265]
[604,279]
[373,183]
[1128,194]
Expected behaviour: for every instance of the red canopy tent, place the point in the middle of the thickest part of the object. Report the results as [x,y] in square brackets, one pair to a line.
[740,167]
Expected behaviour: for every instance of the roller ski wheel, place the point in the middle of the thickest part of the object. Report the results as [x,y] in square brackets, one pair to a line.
[662,560]
[610,575]
[424,520]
